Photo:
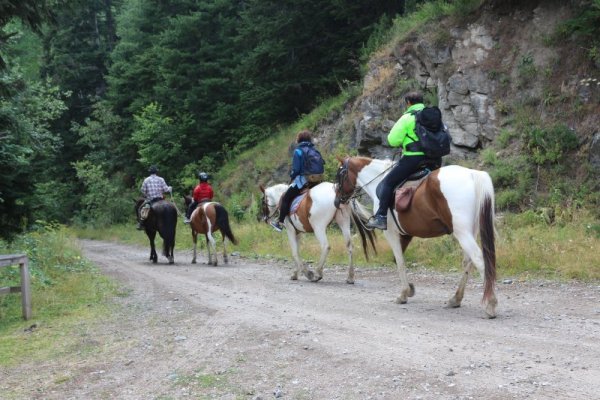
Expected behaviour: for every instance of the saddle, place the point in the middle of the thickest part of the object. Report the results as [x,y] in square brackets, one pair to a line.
[404,192]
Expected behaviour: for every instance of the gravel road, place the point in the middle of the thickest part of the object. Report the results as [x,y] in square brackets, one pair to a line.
[245,331]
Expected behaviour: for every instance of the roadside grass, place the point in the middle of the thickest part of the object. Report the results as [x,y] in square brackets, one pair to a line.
[527,247]
[66,292]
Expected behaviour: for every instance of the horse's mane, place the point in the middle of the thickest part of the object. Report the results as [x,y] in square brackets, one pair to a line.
[368,160]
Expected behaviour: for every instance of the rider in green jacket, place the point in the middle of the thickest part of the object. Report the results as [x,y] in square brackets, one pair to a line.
[402,134]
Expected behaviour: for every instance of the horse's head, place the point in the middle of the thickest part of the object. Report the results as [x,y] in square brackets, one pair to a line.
[270,200]
[345,182]
[265,213]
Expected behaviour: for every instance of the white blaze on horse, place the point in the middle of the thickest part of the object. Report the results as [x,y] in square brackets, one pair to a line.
[451,200]
[207,218]
[314,213]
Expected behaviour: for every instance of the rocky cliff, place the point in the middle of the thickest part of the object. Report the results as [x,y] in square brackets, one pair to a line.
[481,70]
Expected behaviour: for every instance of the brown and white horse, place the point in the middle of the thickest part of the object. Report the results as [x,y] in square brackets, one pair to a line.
[452,199]
[314,214]
[207,218]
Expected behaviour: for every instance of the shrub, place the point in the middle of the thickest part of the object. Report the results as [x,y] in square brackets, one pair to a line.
[549,144]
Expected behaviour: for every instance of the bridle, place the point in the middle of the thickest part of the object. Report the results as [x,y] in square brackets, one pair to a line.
[342,177]
[266,207]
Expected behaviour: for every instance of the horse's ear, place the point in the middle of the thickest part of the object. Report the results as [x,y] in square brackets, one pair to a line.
[262,188]
[340,159]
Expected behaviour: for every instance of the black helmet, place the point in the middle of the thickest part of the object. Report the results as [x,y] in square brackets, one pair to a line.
[203,176]
[153,169]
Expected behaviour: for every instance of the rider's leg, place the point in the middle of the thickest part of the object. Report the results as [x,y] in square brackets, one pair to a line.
[286,202]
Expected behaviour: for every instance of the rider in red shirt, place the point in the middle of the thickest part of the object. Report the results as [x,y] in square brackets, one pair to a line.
[202,192]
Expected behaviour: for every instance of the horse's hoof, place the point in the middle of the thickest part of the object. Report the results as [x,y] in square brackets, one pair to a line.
[193,261]
[401,300]
[294,277]
[453,303]
[309,275]
[412,290]
[316,279]
[350,281]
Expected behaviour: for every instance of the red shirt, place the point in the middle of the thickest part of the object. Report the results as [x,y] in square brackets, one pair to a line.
[203,192]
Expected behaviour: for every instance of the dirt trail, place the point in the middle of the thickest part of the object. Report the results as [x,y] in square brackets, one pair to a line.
[245,331]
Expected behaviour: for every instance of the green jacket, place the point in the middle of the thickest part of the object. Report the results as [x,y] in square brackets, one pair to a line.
[403,132]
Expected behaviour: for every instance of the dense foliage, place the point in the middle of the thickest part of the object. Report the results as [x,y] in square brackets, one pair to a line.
[93,92]
[182,84]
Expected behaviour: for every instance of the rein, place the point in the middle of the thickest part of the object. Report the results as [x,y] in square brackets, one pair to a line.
[343,175]
[266,215]
[175,205]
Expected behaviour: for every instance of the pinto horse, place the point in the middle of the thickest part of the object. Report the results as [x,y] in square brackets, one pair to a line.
[162,218]
[452,199]
[314,214]
[207,218]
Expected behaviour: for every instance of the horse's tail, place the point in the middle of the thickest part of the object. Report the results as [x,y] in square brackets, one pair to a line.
[360,216]
[485,219]
[223,223]
[169,227]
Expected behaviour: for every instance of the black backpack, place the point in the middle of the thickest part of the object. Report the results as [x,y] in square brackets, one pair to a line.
[313,161]
[434,139]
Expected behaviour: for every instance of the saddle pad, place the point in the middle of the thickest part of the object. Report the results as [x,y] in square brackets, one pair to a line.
[296,203]
[403,194]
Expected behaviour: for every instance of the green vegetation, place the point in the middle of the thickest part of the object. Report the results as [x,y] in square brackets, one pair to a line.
[557,243]
[66,290]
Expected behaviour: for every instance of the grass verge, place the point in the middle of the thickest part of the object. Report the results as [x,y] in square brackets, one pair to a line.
[66,291]
[527,246]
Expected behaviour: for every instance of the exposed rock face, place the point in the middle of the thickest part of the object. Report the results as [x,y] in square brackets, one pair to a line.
[465,75]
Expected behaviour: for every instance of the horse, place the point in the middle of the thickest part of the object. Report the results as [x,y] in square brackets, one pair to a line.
[162,218]
[315,213]
[451,200]
[207,218]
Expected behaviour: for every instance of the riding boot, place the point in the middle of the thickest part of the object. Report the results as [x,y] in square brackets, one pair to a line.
[377,222]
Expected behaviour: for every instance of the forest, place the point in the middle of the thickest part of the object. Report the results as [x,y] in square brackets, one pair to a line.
[93,92]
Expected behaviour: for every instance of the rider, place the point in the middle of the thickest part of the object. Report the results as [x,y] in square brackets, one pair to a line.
[298,176]
[153,189]
[202,192]
[402,134]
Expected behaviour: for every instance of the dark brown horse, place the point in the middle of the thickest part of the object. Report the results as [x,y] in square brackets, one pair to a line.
[207,218]
[162,218]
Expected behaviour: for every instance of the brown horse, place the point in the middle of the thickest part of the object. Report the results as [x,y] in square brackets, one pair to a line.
[207,218]
[451,200]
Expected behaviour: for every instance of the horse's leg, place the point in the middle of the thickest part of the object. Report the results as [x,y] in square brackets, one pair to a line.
[153,255]
[471,249]
[321,234]
[404,242]
[195,240]
[405,290]
[342,217]
[294,239]
[467,266]
[212,243]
